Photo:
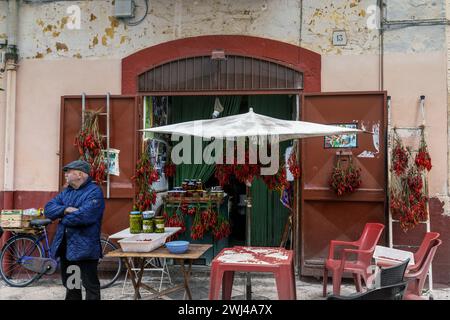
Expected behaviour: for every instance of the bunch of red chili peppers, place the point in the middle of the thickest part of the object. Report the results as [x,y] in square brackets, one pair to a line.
[170,169]
[423,159]
[175,220]
[245,173]
[277,181]
[408,200]
[89,144]
[345,179]
[409,203]
[210,221]
[203,221]
[189,210]
[221,229]
[145,175]
[399,157]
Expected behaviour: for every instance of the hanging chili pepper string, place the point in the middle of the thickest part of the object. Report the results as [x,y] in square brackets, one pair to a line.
[144,177]
[345,179]
[89,143]
[246,172]
[408,194]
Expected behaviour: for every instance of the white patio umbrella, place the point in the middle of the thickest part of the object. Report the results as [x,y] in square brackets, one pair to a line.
[251,124]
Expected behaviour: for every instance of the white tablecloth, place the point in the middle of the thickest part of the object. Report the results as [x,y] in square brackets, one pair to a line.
[126,233]
[392,255]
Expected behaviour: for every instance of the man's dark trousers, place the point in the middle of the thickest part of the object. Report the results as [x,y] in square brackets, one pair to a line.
[89,277]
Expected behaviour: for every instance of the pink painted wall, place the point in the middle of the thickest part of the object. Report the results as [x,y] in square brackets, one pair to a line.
[406,77]
[40,85]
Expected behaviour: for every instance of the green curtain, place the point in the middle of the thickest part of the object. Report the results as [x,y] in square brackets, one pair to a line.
[269,216]
[188,108]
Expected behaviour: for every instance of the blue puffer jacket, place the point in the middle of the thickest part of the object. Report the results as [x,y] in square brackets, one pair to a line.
[82,227]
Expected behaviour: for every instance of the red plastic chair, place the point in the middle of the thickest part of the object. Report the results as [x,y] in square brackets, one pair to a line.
[417,277]
[419,255]
[425,246]
[365,246]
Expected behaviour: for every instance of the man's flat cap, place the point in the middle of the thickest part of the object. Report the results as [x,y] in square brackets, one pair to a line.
[78,165]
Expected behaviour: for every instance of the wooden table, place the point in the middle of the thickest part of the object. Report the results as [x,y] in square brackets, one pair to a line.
[194,252]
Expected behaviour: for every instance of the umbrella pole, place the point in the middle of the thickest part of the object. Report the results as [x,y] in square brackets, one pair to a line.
[248,285]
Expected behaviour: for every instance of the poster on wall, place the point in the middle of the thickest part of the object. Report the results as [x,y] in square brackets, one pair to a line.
[155,114]
[157,151]
[342,140]
[113,155]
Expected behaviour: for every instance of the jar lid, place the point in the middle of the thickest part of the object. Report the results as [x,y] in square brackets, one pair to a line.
[135,212]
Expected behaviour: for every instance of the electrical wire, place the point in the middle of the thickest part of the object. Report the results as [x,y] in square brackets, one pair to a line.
[400,24]
[135,23]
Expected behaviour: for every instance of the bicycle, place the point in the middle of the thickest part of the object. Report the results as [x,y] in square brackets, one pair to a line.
[26,257]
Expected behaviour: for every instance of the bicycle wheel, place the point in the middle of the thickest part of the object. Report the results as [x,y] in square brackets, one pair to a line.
[108,268]
[11,268]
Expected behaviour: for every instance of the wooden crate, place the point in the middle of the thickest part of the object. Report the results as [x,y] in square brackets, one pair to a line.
[14,220]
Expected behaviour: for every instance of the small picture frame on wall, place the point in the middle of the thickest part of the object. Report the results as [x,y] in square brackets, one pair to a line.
[342,140]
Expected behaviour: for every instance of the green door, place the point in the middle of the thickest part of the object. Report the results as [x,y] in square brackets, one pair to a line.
[269,216]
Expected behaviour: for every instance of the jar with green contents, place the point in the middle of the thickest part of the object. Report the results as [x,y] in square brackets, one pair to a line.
[147,221]
[135,222]
[159,224]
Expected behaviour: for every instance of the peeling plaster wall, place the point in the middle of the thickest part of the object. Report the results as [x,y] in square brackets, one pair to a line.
[321,18]
[415,9]
[44,32]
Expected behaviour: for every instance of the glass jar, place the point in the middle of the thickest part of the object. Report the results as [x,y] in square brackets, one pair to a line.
[147,221]
[199,185]
[135,222]
[159,224]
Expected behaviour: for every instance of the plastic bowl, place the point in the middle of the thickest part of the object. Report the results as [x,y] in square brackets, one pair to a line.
[177,246]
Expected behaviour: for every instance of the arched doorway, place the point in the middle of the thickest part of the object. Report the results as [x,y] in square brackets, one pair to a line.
[250,66]
[291,56]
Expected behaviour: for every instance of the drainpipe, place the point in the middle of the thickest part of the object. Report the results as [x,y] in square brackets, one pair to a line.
[380,4]
[10,107]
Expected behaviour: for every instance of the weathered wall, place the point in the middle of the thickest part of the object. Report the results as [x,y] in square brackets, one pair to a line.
[321,18]
[415,63]
[44,35]
[44,32]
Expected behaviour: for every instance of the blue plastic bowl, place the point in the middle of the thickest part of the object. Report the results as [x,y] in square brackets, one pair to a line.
[177,246]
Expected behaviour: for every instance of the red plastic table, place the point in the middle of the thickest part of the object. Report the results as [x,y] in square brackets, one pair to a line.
[253,259]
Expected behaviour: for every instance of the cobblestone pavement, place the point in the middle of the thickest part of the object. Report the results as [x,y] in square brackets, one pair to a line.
[263,287]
